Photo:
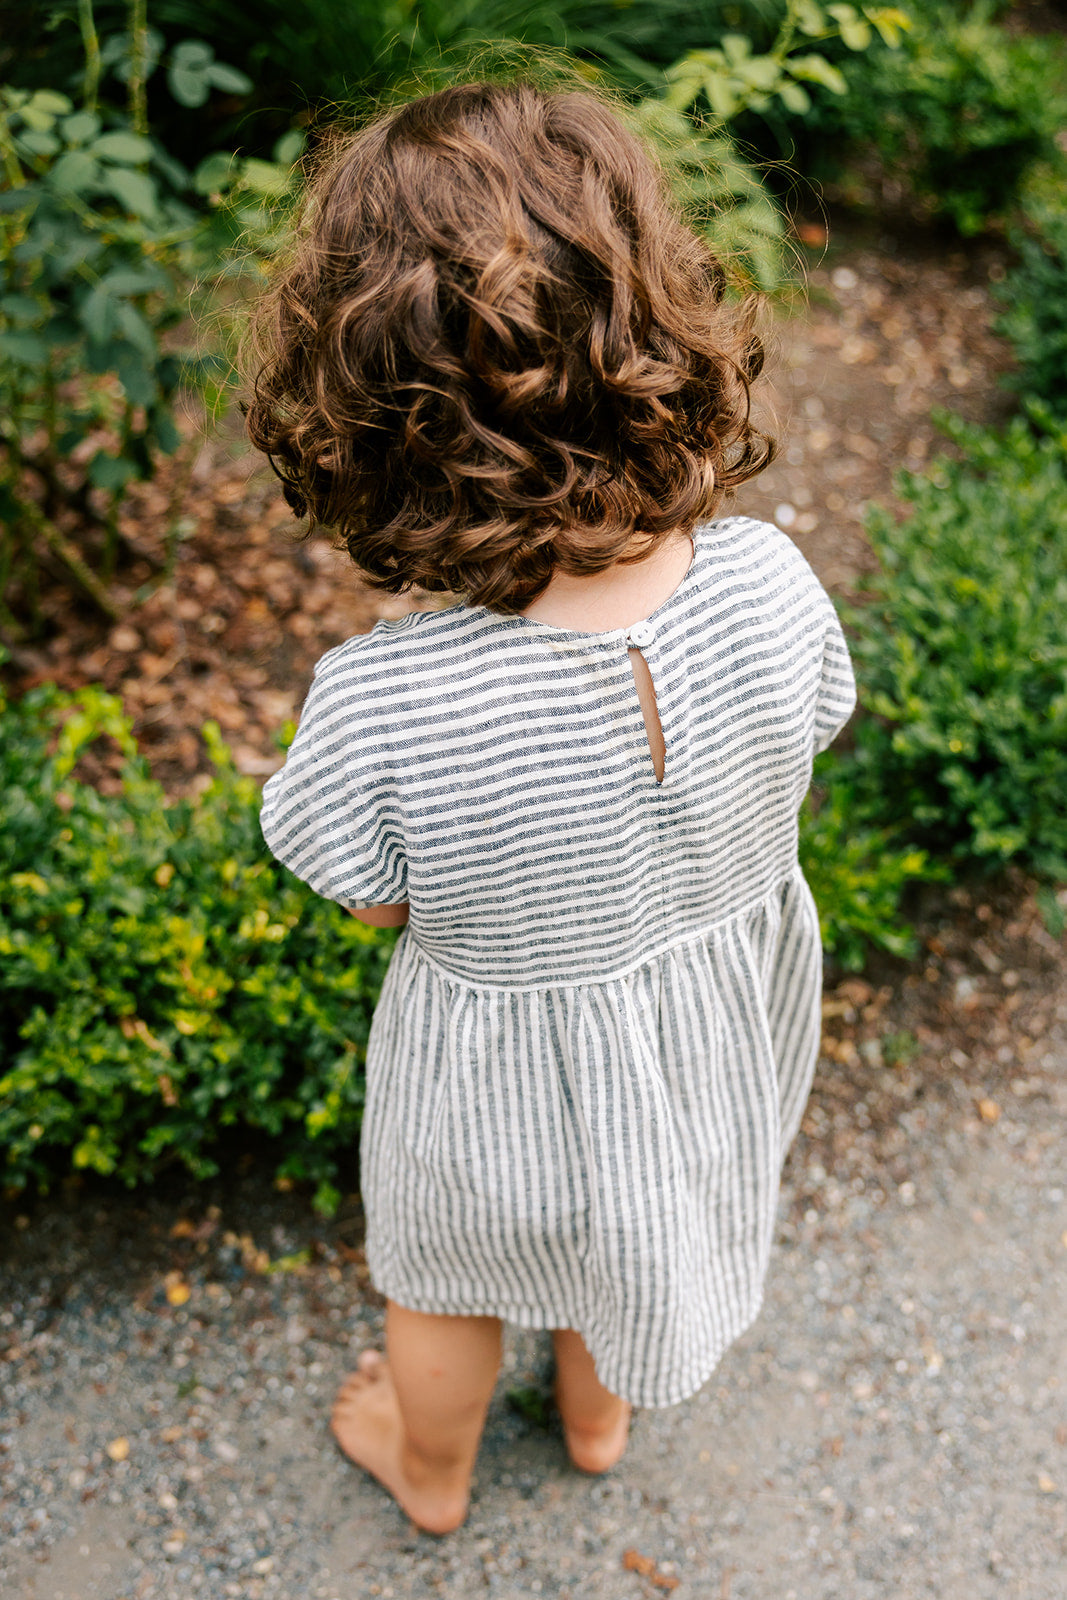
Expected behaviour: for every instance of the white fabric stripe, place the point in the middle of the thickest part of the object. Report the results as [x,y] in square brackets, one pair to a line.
[596,1035]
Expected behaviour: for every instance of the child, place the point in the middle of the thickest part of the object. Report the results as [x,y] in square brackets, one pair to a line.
[502,367]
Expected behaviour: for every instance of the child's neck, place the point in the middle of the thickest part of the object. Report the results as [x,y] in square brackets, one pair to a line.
[617,597]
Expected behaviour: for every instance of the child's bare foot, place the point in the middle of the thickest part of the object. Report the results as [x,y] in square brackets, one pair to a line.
[596,1448]
[366,1423]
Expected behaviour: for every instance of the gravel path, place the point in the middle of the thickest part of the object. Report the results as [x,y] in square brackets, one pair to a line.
[894,1424]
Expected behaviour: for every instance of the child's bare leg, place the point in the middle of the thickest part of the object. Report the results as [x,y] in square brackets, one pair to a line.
[596,1423]
[415,1421]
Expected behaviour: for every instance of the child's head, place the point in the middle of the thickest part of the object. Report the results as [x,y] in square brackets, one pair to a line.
[496,348]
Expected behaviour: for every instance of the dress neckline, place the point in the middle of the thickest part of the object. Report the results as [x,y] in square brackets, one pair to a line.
[615,633]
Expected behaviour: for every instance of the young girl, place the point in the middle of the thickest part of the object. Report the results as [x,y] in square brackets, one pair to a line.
[502,367]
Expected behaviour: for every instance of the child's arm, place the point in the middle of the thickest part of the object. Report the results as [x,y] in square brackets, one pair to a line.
[394,916]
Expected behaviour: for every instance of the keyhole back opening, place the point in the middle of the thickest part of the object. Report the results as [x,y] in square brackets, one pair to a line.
[646,694]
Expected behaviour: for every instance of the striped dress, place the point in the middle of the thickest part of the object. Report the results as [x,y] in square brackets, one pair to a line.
[598,1030]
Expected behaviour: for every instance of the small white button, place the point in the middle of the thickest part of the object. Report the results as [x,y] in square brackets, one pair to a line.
[640,634]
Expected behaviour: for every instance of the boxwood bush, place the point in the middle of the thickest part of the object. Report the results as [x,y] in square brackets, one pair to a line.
[961,111]
[858,867]
[961,652]
[164,983]
[162,978]
[1034,297]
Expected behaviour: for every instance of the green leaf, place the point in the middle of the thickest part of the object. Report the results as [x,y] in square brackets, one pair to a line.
[290,147]
[136,280]
[810,18]
[816,69]
[110,472]
[136,191]
[794,98]
[38,144]
[532,1404]
[122,146]
[188,88]
[266,177]
[192,53]
[41,110]
[855,32]
[50,100]
[1053,912]
[134,327]
[98,314]
[104,356]
[229,78]
[75,172]
[176,175]
[759,72]
[736,47]
[326,1199]
[685,80]
[115,52]
[164,432]
[857,35]
[23,198]
[890,21]
[721,92]
[136,376]
[22,308]
[216,171]
[81,127]
[25,349]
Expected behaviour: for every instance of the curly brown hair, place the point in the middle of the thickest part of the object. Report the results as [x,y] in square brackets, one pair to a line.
[497,348]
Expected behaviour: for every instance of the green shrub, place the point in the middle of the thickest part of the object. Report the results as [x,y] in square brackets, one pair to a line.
[1034,294]
[162,978]
[961,111]
[961,653]
[165,982]
[857,871]
[101,232]
[705,91]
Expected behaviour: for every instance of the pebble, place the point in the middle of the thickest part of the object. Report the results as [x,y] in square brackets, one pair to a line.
[903,1373]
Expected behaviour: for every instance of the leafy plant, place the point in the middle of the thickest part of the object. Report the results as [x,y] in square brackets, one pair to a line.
[194,94]
[97,247]
[961,111]
[961,652]
[706,89]
[857,871]
[1034,296]
[162,978]
[736,78]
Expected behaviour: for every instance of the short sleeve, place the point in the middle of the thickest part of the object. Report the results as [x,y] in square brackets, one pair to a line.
[837,684]
[332,814]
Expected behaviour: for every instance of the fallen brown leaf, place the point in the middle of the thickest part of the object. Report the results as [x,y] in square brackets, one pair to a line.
[634,1561]
[177,1290]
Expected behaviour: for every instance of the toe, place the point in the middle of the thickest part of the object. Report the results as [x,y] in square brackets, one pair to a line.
[352,1386]
[370,1361]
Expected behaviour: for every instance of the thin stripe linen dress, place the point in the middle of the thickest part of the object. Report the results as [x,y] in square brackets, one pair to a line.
[598,1030]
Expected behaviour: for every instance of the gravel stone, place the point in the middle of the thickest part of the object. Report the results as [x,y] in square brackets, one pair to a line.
[892,1426]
